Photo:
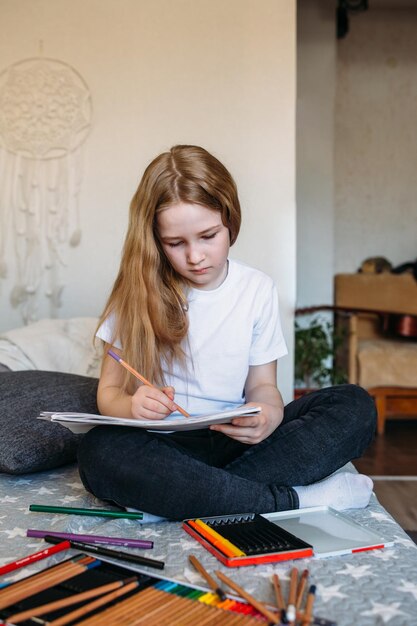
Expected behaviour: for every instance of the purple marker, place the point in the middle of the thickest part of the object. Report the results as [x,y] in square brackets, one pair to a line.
[114,541]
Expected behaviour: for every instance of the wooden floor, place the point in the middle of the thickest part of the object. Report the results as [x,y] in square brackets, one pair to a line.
[394,453]
[391,461]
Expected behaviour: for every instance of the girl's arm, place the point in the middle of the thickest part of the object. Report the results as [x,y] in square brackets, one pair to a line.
[139,403]
[260,390]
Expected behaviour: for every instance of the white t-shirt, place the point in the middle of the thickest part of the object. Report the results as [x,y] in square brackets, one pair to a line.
[231,328]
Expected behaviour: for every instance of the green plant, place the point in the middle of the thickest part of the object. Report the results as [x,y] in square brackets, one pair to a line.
[316,344]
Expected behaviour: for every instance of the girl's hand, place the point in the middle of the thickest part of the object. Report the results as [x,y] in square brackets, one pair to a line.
[152,403]
[252,429]
[260,390]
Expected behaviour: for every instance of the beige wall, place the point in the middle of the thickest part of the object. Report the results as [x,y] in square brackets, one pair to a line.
[376,140]
[212,72]
[316,85]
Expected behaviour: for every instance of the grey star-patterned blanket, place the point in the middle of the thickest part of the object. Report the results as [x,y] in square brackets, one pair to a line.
[364,589]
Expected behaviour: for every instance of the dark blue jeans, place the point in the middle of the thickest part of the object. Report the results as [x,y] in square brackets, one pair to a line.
[203,473]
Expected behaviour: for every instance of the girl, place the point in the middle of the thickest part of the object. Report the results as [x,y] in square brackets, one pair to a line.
[206,330]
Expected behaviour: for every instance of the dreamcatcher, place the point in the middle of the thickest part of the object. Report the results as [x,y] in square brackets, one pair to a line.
[45,117]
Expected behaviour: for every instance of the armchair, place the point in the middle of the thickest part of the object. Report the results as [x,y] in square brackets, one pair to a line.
[381,355]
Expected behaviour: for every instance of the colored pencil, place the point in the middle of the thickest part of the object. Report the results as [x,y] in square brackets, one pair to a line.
[156,606]
[74,599]
[278,592]
[275,619]
[300,589]
[308,612]
[144,380]
[292,595]
[46,508]
[32,558]
[45,579]
[114,541]
[92,606]
[213,584]
[113,554]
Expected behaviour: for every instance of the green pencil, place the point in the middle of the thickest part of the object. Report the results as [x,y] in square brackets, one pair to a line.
[43,508]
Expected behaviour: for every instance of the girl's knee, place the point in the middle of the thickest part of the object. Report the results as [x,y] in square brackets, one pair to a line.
[105,448]
[88,458]
[363,408]
[364,402]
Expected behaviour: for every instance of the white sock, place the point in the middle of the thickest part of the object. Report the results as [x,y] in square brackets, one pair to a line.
[343,490]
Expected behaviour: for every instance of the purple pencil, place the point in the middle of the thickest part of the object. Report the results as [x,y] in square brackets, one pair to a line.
[114,541]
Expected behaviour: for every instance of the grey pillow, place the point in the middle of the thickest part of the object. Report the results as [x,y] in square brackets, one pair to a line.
[31,445]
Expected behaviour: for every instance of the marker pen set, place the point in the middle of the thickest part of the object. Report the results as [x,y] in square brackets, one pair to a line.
[247,539]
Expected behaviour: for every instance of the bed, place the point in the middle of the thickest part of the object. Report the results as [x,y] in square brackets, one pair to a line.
[369,588]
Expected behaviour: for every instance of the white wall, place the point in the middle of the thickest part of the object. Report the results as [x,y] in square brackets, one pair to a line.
[316,76]
[219,74]
[356,141]
[376,140]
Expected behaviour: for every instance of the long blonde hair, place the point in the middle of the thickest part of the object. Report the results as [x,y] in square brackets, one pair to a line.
[149,298]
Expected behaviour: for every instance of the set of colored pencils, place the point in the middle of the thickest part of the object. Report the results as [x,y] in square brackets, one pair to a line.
[127,601]
[104,594]
[290,611]
[47,578]
[157,605]
[134,600]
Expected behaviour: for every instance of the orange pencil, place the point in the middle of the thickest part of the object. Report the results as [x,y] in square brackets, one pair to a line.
[144,380]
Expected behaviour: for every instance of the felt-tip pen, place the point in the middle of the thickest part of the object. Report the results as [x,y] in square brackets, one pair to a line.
[114,554]
[46,508]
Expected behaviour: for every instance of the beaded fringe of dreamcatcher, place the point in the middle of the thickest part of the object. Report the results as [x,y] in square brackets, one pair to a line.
[40,177]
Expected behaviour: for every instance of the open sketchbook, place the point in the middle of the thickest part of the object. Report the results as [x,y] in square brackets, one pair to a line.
[82,422]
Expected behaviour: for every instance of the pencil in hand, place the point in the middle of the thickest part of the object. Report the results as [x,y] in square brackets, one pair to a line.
[143,380]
